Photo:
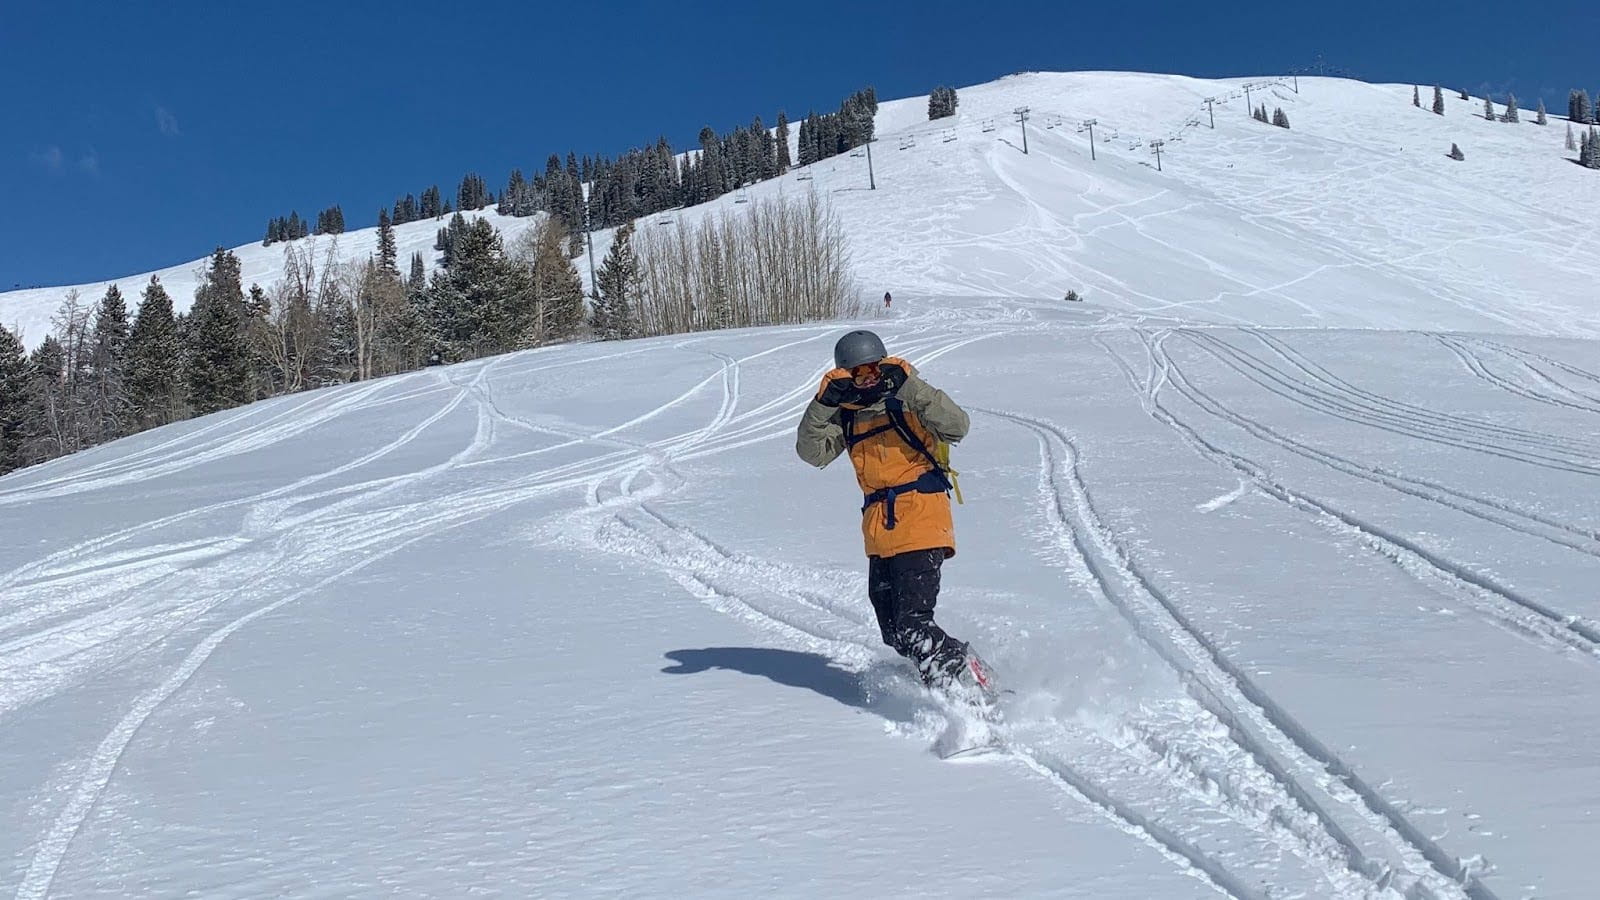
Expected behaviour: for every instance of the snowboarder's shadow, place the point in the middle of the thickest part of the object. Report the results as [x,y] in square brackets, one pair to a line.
[872,690]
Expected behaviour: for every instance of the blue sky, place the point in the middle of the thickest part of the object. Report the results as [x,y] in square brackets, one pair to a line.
[140,135]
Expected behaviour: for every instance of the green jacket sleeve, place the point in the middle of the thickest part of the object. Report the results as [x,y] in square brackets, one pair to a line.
[934,407]
[820,439]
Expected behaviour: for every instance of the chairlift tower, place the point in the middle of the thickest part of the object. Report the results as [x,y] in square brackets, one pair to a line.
[1090,124]
[1157,145]
[1211,112]
[1022,117]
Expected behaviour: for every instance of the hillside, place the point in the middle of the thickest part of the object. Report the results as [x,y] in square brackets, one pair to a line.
[1353,217]
[1284,541]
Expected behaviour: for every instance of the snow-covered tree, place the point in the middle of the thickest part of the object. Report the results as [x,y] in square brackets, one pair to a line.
[1488,109]
[1416,96]
[1279,118]
[1511,109]
[1578,107]
[1456,154]
[1541,118]
[942,102]
[1438,101]
[1571,144]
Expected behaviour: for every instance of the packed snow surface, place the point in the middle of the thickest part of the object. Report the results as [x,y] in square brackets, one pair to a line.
[1285,541]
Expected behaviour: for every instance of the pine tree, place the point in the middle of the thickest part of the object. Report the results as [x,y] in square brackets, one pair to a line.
[388,253]
[419,272]
[1511,109]
[1571,144]
[1488,109]
[1456,154]
[942,103]
[577,204]
[108,368]
[430,207]
[783,142]
[217,367]
[1279,118]
[154,355]
[46,413]
[1438,101]
[556,286]
[14,422]
[618,287]
[1542,118]
[1416,97]
[1464,96]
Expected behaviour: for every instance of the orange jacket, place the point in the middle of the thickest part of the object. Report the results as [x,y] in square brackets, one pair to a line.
[883,459]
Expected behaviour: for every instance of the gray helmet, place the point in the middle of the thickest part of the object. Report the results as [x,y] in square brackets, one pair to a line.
[858,348]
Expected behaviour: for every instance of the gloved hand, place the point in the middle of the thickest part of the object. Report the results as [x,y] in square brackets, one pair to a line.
[837,390]
[891,378]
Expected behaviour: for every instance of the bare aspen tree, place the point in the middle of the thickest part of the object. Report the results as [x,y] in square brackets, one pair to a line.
[774,262]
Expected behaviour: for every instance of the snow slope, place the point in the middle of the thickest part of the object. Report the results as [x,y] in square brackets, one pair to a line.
[1289,611]
[1354,217]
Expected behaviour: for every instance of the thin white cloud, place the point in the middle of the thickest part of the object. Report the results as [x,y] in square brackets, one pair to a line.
[50,157]
[167,122]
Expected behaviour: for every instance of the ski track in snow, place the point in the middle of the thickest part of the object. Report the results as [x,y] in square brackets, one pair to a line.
[1227,747]
[1477,590]
[1283,809]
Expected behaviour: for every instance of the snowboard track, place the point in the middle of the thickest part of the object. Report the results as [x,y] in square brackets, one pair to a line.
[1478,591]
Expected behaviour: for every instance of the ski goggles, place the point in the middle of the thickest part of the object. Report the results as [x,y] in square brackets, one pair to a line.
[866,374]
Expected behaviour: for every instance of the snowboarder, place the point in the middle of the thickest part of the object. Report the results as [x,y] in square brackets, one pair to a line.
[877,408]
[886,299]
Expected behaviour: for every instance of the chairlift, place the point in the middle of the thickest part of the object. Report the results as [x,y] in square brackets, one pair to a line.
[803,176]
[743,197]
[988,125]
[907,144]
[949,136]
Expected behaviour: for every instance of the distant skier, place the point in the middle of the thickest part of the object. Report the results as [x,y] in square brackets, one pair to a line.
[877,408]
[887,299]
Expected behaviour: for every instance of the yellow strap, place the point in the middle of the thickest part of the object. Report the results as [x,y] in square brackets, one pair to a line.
[941,452]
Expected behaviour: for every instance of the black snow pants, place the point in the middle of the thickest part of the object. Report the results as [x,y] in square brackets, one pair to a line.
[903,589]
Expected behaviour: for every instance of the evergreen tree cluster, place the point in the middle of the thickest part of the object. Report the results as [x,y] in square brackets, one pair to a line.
[1578,108]
[473,193]
[1279,117]
[942,103]
[829,134]
[330,221]
[410,209]
[1260,114]
[1589,151]
[290,228]
[520,198]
